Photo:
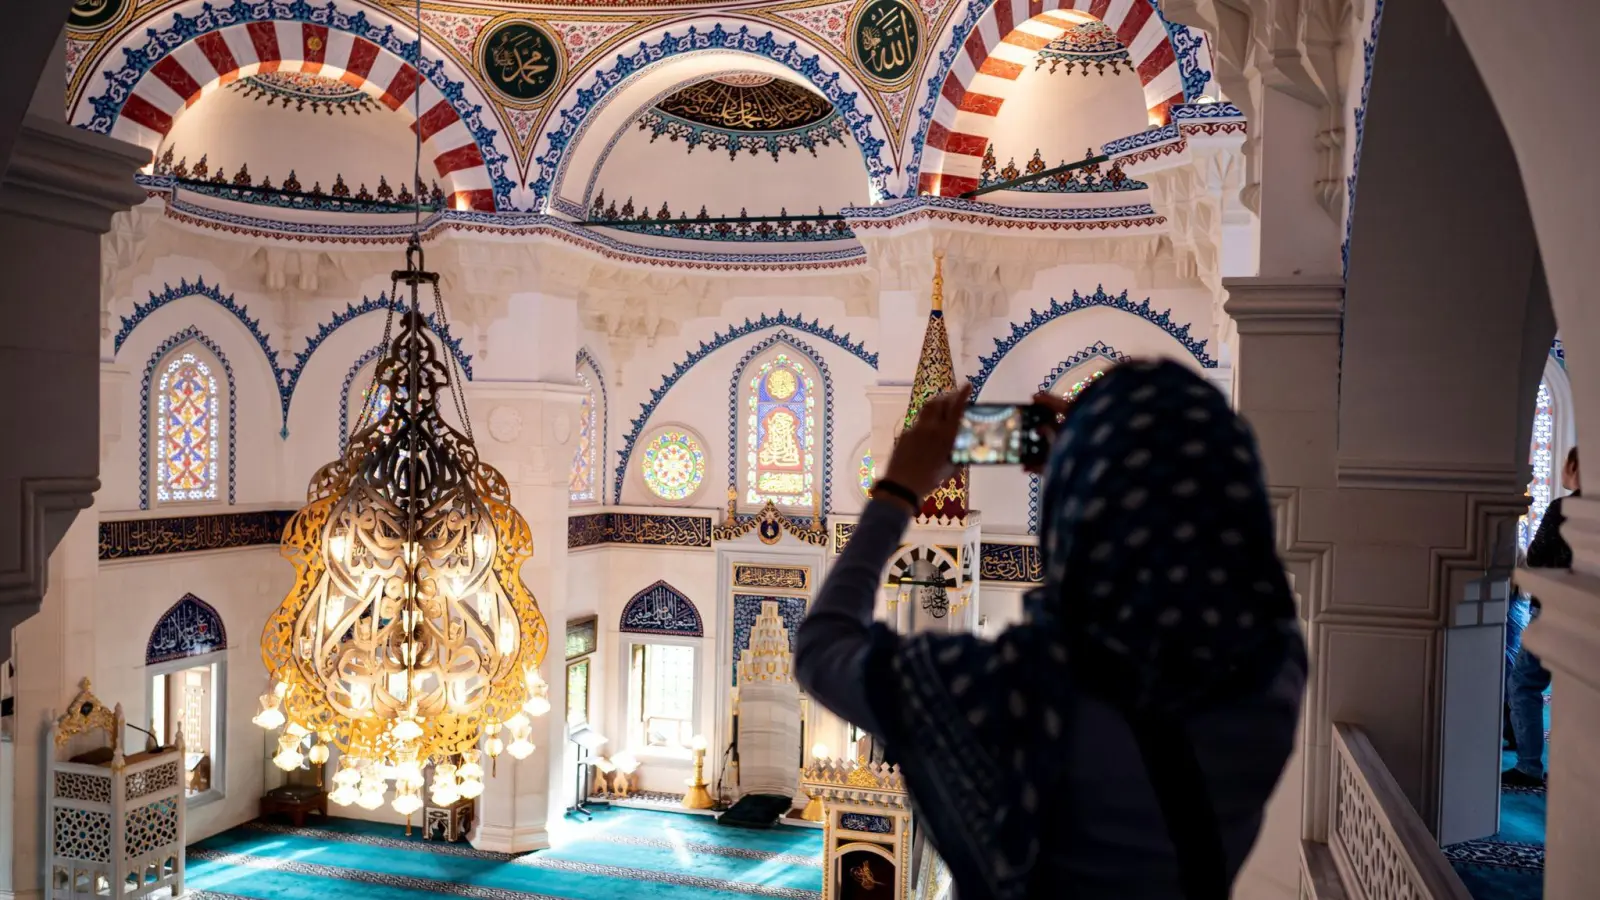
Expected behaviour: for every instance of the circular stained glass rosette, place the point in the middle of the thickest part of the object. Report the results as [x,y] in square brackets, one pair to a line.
[674,465]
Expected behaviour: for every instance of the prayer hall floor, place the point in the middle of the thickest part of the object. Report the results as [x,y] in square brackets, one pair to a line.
[637,854]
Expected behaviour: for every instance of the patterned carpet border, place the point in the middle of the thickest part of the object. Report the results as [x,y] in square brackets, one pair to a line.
[1499,854]
[467,850]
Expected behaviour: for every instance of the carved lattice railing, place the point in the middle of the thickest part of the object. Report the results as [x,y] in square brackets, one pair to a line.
[1379,845]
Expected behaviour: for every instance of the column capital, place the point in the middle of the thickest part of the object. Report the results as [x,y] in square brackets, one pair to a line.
[1285,305]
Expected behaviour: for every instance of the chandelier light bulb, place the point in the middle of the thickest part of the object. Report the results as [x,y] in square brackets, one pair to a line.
[520,748]
[471,788]
[518,723]
[494,747]
[318,754]
[536,705]
[289,757]
[344,795]
[407,730]
[820,751]
[469,766]
[270,717]
[370,800]
[407,804]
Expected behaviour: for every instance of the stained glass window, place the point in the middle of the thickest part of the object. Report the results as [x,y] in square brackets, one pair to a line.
[581,483]
[1542,457]
[1072,390]
[780,433]
[867,474]
[186,418]
[674,465]
[375,401]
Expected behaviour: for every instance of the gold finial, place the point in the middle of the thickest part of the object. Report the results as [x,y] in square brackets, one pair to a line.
[938,281]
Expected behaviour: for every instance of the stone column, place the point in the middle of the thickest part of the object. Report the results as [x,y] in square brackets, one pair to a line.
[1287,386]
[524,401]
[57,196]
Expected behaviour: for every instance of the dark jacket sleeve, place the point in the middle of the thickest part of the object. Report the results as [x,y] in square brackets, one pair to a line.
[832,648]
[1548,550]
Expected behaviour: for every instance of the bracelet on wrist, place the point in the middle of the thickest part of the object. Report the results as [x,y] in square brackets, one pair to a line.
[897,491]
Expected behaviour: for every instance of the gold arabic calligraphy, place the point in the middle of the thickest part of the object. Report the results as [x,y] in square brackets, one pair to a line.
[776,105]
[864,877]
[887,39]
[521,62]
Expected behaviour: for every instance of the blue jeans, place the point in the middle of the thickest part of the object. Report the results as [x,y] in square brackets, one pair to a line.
[1526,682]
[1518,614]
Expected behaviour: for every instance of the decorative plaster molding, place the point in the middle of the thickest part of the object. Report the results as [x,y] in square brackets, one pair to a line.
[1413,475]
[1285,305]
[47,507]
[64,176]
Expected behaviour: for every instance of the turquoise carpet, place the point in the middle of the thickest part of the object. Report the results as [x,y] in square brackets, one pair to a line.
[1509,864]
[636,854]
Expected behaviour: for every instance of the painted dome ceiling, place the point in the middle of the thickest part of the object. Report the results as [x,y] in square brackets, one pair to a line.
[282,134]
[733,144]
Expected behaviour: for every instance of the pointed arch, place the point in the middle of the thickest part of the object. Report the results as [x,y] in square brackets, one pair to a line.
[661,609]
[1099,350]
[589,458]
[752,408]
[356,379]
[193,423]
[190,627]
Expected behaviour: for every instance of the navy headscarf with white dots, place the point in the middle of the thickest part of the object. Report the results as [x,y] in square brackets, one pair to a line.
[1163,596]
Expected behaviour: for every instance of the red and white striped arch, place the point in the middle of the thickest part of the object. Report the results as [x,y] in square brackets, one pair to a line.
[216,58]
[995,55]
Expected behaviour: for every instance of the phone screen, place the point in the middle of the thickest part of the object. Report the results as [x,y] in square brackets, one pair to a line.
[1000,434]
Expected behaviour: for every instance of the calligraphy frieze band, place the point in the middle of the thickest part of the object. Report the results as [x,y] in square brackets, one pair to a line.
[841,535]
[132,538]
[640,529]
[1015,563]
[791,578]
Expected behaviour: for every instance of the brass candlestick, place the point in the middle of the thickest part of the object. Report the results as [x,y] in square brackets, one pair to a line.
[698,797]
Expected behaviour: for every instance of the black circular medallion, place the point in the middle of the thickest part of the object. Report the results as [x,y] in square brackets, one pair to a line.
[89,15]
[520,60]
[885,39]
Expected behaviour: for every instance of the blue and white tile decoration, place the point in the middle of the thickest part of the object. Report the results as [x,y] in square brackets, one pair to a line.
[1559,352]
[580,102]
[585,358]
[661,609]
[1150,136]
[747,608]
[1189,112]
[1187,50]
[1057,309]
[286,378]
[735,398]
[718,341]
[1096,350]
[162,351]
[119,84]
[344,393]
[192,627]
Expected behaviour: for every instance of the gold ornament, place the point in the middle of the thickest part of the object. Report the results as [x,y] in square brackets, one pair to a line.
[408,637]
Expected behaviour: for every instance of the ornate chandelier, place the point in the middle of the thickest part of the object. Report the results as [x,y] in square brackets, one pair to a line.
[408,638]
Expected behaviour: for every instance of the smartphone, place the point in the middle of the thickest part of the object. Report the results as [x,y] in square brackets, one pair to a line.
[1002,434]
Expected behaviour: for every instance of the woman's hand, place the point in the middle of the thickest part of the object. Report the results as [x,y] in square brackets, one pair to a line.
[921,458]
[1060,406]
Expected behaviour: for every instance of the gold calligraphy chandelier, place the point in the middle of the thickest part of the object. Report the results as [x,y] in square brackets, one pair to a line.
[408,638]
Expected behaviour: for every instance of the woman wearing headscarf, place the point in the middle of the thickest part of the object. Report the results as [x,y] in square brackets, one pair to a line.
[1122,742]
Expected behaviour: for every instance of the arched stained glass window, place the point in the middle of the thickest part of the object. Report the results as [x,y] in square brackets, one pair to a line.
[867,474]
[581,484]
[186,430]
[1072,389]
[780,433]
[1542,455]
[674,465]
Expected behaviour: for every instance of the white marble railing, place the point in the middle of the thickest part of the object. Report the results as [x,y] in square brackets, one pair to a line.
[1379,845]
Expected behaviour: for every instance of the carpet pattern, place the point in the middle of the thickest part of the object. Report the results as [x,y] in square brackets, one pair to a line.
[1509,864]
[638,854]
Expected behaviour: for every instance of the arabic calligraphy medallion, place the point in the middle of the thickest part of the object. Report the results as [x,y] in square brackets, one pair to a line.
[520,60]
[93,15]
[885,40]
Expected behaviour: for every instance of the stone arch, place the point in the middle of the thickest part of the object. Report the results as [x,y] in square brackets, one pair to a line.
[586,361]
[661,609]
[589,93]
[176,65]
[970,82]
[191,627]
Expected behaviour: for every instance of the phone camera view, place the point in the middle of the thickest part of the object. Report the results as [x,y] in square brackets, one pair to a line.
[991,435]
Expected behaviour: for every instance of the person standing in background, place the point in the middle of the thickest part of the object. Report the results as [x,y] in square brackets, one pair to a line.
[1528,679]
